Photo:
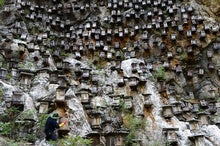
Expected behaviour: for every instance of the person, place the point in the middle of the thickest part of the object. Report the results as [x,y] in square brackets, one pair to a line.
[51,126]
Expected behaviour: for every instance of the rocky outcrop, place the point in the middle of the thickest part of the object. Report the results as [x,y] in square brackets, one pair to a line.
[120,72]
[212,5]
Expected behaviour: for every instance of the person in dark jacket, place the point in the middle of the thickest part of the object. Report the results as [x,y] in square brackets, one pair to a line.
[51,126]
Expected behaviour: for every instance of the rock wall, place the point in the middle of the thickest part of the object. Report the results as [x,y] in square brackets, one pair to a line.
[120,72]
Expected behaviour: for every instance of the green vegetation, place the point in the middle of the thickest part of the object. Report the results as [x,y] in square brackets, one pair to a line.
[160,73]
[9,142]
[5,128]
[51,49]
[72,141]
[122,53]
[157,33]
[35,30]
[3,62]
[183,56]
[30,138]
[27,114]
[9,128]
[2,2]
[64,54]
[9,114]
[201,109]
[42,118]
[123,108]
[26,65]
[99,66]
[134,124]
[7,123]
[1,91]
[128,43]
[8,76]
[52,38]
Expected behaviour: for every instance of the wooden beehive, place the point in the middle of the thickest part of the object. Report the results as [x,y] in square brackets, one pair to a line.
[43,107]
[60,93]
[170,134]
[167,111]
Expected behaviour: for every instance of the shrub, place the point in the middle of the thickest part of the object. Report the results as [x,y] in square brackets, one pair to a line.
[30,138]
[7,119]
[5,128]
[183,56]
[42,118]
[2,2]
[133,124]
[9,114]
[8,76]
[72,141]
[160,73]
[27,65]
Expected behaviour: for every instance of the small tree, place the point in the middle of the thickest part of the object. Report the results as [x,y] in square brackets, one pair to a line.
[134,125]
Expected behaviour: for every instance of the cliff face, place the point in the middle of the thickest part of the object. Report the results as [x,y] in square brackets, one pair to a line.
[129,72]
[212,5]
